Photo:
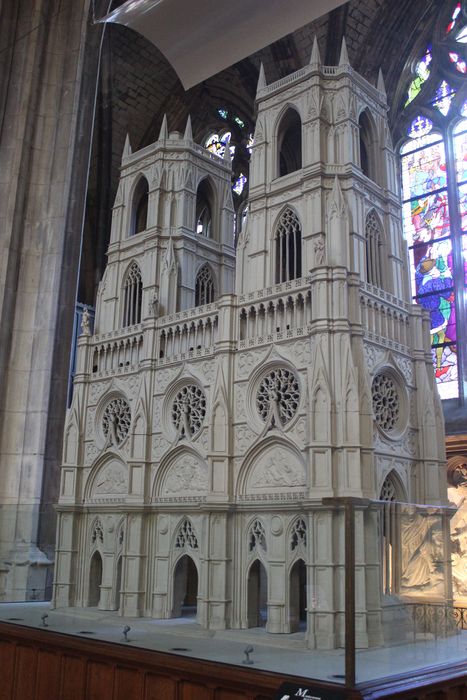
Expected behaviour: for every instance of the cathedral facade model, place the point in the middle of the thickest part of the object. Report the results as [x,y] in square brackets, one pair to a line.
[226,393]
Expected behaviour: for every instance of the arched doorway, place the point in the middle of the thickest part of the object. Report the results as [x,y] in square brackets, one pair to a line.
[95,580]
[185,600]
[118,583]
[298,597]
[257,595]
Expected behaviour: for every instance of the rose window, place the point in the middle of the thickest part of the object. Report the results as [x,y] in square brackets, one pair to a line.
[278,396]
[189,410]
[116,421]
[386,402]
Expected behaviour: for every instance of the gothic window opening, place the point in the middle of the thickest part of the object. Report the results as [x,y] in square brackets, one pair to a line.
[289,143]
[139,215]
[373,250]
[132,296]
[288,247]
[116,421]
[204,286]
[278,397]
[189,411]
[204,201]
[186,536]
[257,537]
[97,534]
[389,531]
[434,184]
[298,537]
[367,146]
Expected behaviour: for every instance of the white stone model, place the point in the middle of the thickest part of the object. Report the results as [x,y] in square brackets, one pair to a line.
[225,393]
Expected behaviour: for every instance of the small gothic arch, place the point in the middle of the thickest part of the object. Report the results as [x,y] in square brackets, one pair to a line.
[374,246]
[257,537]
[139,207]
[186,537]
[289,142]
[95,579]
[97,533]
[185,587]
[204,286]
[257,595]
[391,493]
[298,535]
[132,295]
[205,209]
[368,145]
[288,247]
[298,595]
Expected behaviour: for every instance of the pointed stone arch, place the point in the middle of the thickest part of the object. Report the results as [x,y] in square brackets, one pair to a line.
[287,245]
[273,465]
[183,472]
[207,206]
[374,249]
[108,479]
[368,141]
[139,199]
[205,286]
[132,295]
[288,139]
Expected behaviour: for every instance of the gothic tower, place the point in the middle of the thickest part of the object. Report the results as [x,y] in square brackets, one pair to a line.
[212,428]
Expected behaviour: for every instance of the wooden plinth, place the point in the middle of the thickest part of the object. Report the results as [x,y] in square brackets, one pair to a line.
[44,665]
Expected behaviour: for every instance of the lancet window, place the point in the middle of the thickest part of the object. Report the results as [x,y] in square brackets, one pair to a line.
[373,249]
[97,534]
[204,286]
[257,537]
[132,296]
[434,184]
[298,537]
[139,218]
[288,247]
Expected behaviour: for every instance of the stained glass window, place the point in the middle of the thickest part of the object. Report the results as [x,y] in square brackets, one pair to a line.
[434,192]
[239,184]
[216,143]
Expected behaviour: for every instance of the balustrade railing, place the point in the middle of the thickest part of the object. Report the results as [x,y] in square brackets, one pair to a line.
[384,316]
[278,312]
[188,333]
[114,352]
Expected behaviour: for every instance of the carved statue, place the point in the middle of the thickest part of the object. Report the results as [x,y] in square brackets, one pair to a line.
[154,306]
[320,250]
[85,322]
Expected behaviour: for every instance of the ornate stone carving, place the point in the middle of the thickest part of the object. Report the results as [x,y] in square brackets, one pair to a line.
[189,410]
[278,397]
[257,537]
[91,453]
[188,475]
[276,468]
[111,480]
[97,533]
[97,390]
[422,550]
[298,536]
[244,437]
[245,364]
[386,401]
[186,536]
[116,421]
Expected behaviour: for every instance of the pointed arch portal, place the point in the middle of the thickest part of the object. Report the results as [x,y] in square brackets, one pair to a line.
[257,595]
[185,582]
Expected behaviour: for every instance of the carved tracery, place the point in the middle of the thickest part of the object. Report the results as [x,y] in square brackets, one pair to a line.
[186,536]
[278,397]
[116,421]
[189,410]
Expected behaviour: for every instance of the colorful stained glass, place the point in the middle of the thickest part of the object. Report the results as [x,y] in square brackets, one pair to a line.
[444,94]
[239,184]
[216,144]
[223,113]
[238,121]
[431,262]
[463,206]
[419,127]
[426,218]
[462,36]
[454,17]
[422,71]
[460,150]
[250,143]
[458,61]
[445,366]
[424,170]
